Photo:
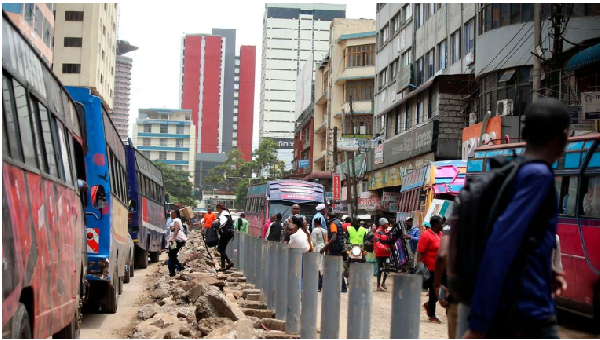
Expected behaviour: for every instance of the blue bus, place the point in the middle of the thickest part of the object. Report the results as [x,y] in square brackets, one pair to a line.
[146,206]
[109,246]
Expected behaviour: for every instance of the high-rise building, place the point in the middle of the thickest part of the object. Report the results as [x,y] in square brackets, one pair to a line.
[291,34]
[120,112]
[85,47]
[36,22]
[243,105]
[167,136]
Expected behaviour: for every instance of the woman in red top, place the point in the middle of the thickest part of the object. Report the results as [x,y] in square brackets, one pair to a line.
[381,245]
[427,249]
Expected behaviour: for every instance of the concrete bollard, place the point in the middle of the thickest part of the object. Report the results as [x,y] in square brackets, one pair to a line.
[360,300]
[282,273]
[406,306]
[292,317]
[265,270]
[310,295]
[260,263]
[253,259]
[330,299]
[272,289]
[249,257]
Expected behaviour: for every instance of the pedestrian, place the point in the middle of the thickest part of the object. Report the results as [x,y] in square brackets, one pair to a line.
[173,214]
[427,249]
[346,224]
[320,215]
[275,229]
[209,218]
[370,257]
[335,244]
[356,233]
[443,295]
[288,221]
[413,234]
[267,225]
[298,237]
[242,224]
[176,242]
[514,293]
[383,252]
[319,239]
[226,230]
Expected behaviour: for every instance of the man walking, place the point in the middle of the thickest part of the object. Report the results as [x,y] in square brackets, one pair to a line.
[275,230]
[335,246]
[288,222]
[382,241]
[319,216]
[516,281]
[267,225]
[209,218]
[413,234]
[427,249]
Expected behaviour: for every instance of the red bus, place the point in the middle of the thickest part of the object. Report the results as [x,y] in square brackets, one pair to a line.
[43,240]
[577,176]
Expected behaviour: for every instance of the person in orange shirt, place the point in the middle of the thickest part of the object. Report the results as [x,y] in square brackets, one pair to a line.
[209,218]
[427,249]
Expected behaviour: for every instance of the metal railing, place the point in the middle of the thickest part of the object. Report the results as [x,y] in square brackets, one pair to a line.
[279,271]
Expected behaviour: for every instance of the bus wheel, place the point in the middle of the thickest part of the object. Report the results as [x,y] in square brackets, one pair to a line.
[73,329]
[141,258]
[22,327]
[154,256]
[112,295]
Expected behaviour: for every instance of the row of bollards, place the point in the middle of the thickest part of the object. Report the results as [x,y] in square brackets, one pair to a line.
[289,280]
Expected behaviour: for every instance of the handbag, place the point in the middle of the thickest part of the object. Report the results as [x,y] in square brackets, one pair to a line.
[420,269]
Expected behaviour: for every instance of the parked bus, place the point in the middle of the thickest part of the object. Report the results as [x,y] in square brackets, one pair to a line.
[577,177]
[278,196]
[43,254]
[146,207]
[109,246]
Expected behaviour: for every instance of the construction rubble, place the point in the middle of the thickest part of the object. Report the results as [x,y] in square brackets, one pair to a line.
[200,302]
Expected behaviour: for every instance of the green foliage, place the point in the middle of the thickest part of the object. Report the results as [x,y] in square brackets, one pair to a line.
[177,185]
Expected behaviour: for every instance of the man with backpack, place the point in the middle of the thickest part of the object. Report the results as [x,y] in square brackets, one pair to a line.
[500,252]
[335,245]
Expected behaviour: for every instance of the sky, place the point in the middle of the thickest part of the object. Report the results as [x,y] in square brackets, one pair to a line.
[156,29]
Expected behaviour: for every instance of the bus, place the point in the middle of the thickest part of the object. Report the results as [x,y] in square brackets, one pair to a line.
[278,196]
[43,228]
[577,178]
[109,245]
[146,207]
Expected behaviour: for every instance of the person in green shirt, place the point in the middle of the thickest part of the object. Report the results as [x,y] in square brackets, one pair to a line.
[242,224]
[356,232]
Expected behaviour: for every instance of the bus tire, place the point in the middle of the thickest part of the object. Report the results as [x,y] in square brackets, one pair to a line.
[141,258]
[73,329]
[21,327]
[112,295]
[154,257]
[128,270]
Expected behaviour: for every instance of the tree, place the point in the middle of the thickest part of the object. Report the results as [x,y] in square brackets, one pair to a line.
[229,173]
[177,185]
[265,162]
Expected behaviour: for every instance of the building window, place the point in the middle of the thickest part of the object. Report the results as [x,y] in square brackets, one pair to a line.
[179,156]
[103,54]
[406,58]
[29,10]
[419,109]
[455,40]
[431,111]
[179,130]
[179,142]
[147,128]
[493,16]
[432,8]
[443,55]
[420,73]
[393,69]
[430,63]
[469,36]
[146,142]
[104,30]
[73,15]
[73,42]
[359,90]
[162,155]
[164,128]
[407,115]
[407,11]
[362,124]
[178,167]
[39,20]
[71,68]
[382,78]
[358,56]
[47,33]
[163,142]
[188,117]
[146,154]
[420,14]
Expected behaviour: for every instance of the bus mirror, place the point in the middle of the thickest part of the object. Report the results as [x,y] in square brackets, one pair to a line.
[132,206]
[98,195]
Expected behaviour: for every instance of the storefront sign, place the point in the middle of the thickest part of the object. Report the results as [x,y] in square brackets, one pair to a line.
[472,136]
[405,76]
[413,143]
[284,143]
[393,176]
[414,179]
[339,208]
[359,166]
[393,197]
[329,195]
[369,204]
[590,102]
[303,163]
[352,144]
[337,187]
[379,154]
[389,207]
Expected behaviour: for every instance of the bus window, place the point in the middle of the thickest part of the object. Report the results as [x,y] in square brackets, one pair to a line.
[9,116]
[24,124]
[590,198]
[48,141]
[37,131]
[54,129]
[566,187]
[65,154]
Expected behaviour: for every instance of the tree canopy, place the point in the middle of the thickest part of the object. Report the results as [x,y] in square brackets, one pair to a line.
[177,185]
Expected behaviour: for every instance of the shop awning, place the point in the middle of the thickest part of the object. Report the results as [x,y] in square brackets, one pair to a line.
[584,58]
[318,175]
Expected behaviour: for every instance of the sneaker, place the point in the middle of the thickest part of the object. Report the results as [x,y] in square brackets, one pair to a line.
[229,266]
[383,286]
[434,320]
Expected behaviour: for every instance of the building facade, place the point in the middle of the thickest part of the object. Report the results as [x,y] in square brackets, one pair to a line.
[168,136]
[120,112]
[292,33]
[243,105]
[85,47]
[36,22]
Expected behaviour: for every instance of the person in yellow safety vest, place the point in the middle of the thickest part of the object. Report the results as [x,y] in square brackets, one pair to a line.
[356,232]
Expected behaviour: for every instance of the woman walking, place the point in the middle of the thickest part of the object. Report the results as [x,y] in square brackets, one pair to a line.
[227,231]
[176,242]
[382,252]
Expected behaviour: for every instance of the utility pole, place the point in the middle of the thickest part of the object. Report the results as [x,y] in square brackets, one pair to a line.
[335,151]
[537,62]
[556,50]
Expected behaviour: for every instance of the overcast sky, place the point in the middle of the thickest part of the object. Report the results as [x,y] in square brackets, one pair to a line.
[157,27]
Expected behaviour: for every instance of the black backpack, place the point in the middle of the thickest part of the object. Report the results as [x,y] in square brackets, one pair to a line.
[212,234]
[472,220]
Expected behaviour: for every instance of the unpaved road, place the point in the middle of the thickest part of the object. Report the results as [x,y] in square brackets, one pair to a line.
[119,325]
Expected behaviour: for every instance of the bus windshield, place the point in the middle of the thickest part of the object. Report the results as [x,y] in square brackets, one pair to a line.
[285,208]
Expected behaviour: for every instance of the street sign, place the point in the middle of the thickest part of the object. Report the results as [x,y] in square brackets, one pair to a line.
[337,187]
[303,163]
[590,102]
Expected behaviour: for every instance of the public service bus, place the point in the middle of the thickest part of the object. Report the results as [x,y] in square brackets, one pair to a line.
[273,197]
[577,177]
[43,254]
[146,206]
[109,245]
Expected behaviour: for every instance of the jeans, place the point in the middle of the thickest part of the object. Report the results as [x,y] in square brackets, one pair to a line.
[381,269]
[222,247]
[432,297]
[173,260]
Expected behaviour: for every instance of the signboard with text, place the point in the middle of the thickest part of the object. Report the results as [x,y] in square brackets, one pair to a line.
[303,163]
[414,179]
[393,197]
[379,154]
[590,102]
[369,204]
[413,143]
[352,144]
[337,187]
[284,143]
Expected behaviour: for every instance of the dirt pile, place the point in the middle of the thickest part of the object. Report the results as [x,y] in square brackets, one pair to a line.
[200,302]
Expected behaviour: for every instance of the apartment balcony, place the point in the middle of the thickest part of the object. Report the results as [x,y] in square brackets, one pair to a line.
[360,107]
[356,73]
[323,98]
[322,128]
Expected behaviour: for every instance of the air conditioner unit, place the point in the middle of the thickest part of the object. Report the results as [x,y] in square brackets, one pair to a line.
[470,58]
[504,107]
[472,118]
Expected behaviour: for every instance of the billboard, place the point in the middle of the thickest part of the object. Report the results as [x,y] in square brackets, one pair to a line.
[284,143]
[304,86]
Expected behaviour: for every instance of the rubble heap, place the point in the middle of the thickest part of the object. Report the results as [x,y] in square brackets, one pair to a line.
[200,302]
